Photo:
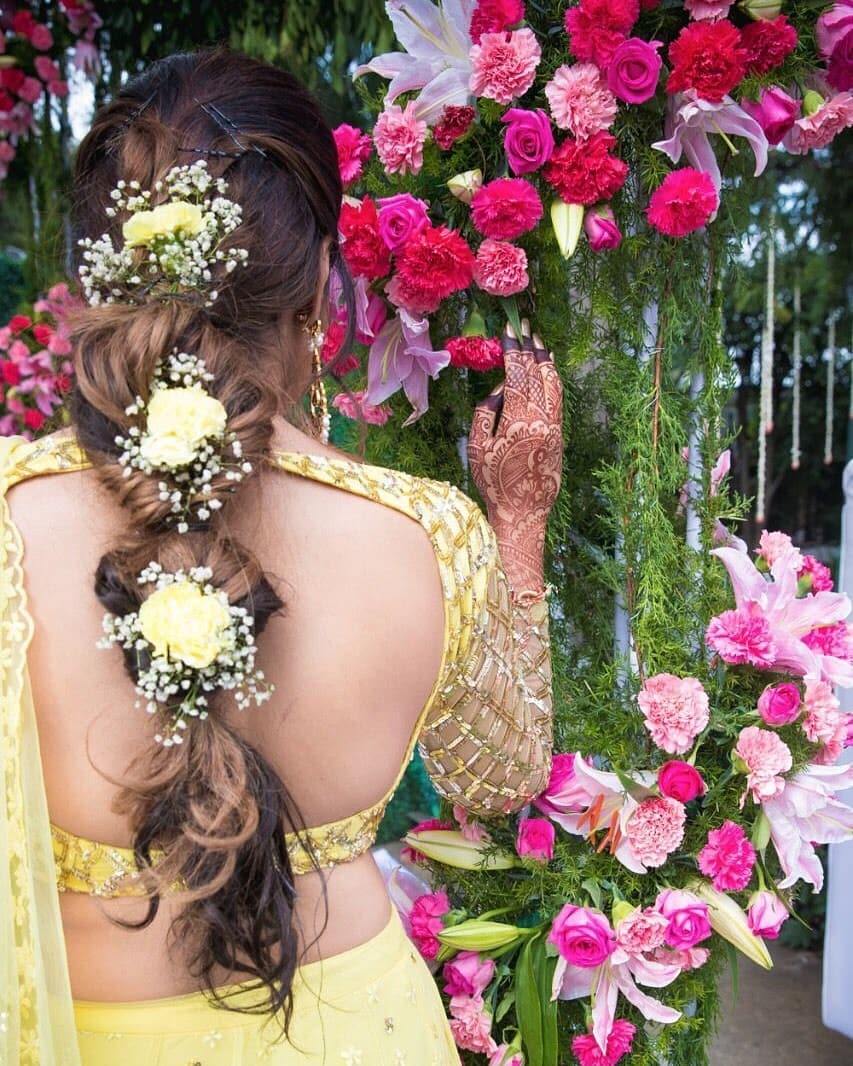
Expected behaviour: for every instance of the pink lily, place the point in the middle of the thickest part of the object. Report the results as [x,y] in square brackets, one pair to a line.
[403,886]
[808,812]
[437,40]
[790,618]
[619,974]
[402,356]
[689,120]
[596,800]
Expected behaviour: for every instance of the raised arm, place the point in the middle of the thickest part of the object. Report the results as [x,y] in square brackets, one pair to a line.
[487,742]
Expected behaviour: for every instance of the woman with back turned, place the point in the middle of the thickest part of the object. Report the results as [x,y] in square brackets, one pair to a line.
[292,620]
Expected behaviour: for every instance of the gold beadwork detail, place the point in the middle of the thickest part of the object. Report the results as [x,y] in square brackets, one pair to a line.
[389,1025]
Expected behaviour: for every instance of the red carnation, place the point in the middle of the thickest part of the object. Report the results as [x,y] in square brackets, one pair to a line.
[707,57]
[63,382]
[767,44]
[33,419]
[11,373]
[596,28]
[363,248]
[42,333]
[452,125]
[506,208]
[584,172]
[335,334]
[684,201]
[18,323]
[492,16]
[12,78]
[435,263]
[475,353]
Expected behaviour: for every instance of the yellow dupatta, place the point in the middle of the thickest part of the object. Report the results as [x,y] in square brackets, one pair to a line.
[36,1010]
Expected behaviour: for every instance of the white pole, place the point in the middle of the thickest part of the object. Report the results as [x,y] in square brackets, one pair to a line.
[830,389]
[796,453]
[765,416]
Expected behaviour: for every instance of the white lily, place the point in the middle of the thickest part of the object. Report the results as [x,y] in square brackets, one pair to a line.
[453,849]
[730,922]
[437,40]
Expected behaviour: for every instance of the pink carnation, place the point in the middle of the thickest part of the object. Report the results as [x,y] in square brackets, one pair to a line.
[824,723]
[471,1025]
[399,136]
[766,756]
[506,208]
[425,920]
[655,829]
[831,640]
[618,1044]
[728,858]
[819,575]
[596,28]
[641,931]
[354,148]
[822,127]
[580,100]
[467,974]
[685,201]
[475,353]
[492,16]
[501,268]
[772,546]
[330,353]
[675,710]
[742,636]
[504,64]
[354,405]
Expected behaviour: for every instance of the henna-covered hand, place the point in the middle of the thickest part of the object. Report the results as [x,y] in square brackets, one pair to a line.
[515,451]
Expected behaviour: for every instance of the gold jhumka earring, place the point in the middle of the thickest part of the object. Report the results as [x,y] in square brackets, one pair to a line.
[317,402]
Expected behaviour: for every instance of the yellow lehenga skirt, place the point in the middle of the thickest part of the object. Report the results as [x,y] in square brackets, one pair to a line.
[374,1005]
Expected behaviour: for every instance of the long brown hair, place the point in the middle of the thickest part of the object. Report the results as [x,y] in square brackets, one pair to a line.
[213,805]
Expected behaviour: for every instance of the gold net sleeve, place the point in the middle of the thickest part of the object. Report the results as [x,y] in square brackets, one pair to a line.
[487,738]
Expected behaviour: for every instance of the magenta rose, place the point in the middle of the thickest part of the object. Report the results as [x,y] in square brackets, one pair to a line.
[634,70]
[680,781]
[775,112]
[780,704]
[582,936]
[840,71]
[833,26]
[401,217]
[601,230]
[687,918]
[528,139]
[467,974]
[766,914]
[535,839]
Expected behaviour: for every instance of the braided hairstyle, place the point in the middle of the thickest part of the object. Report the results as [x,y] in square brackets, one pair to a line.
[212,808]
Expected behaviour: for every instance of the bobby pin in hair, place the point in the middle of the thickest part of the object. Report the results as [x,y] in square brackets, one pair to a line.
[131,118]
[216,152]
[229,127]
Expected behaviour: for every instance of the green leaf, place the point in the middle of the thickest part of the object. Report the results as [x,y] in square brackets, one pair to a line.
[510,306]
[504,1005]
[732,956]
[544,967]
[593,890]
[527,1007]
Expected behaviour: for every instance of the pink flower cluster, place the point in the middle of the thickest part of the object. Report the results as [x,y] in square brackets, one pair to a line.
[35,365]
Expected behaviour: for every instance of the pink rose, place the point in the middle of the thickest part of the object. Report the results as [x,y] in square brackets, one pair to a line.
[775,112]
[833,26]
[766,914]
[680,781]
[675,709]
[582,936]
[727,858]
[506,1055]
[504,64]
[840,71]
[563,793]
[528,140]
[634,70]
[599,224]
[426,922]
[687,917]
[764,757]
[535,839]
[468,974]
[471,1025]
[780,704]
[400,217]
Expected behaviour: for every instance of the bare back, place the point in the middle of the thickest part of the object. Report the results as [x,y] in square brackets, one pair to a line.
[353,659]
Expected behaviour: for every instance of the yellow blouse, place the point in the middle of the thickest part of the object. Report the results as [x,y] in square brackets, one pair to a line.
[484,733]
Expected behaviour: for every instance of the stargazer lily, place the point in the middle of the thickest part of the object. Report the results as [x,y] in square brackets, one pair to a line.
[437,40]
[402,356]
[689,121]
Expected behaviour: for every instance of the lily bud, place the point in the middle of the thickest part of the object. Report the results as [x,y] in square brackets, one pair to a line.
[477,935]
[621,909]
[812,102]
[475,326]
[451,848]
[730,922]
[464,185]
[567,220]
[761,9]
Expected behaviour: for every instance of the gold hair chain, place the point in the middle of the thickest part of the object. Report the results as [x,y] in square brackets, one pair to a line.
[317,401]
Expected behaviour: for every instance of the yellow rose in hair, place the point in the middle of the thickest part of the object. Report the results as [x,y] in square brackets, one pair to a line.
[178,422]
[187,624]
[162,221]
